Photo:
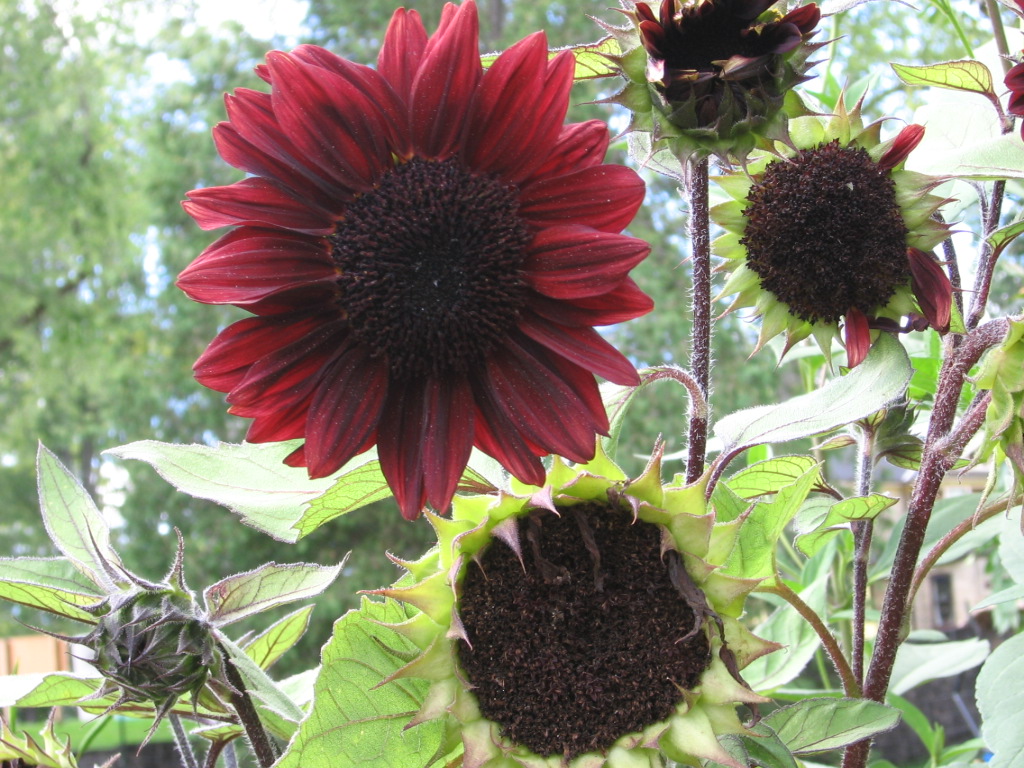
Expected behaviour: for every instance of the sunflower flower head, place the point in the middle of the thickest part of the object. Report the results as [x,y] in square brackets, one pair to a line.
[425,248]
[585,623]
[834,231]
[710,76]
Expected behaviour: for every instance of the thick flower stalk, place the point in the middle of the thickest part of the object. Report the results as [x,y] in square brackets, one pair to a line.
[835,234]
[585,623]
[710,76]
[426,249]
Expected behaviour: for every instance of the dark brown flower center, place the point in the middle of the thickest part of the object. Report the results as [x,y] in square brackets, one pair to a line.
[825,233]
[582,642]
[430,267]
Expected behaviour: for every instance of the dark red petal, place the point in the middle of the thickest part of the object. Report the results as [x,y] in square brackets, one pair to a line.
[806,17]
[579,145]
[748,10]
[500,438]
[518,110]
[449,439]
[340,422]
[580,381]
[290,368]
[583,346]
[402,51]
[443,88]
[606,197]
[228,357]
[857,335]
[625,302]
[571,261]
[248,265]
[393,110]
[258,203]
[932,289]
[401,435]
[331,121]
[259,146]
[901,148]
[541,403]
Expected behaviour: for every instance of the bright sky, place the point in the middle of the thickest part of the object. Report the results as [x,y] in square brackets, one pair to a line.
[261,18]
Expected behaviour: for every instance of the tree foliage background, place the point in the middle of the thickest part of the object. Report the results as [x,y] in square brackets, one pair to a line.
[104,127]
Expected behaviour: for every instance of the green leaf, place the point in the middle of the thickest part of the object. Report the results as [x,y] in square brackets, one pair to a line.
[592,60]
[1003,236]
[27,750]
[277,639]
[839,516]
[251,480]
[818,725]
[770,476]
[270,585]
[753,556]
[965,75]
[789,628]
[761,748]
[1008,595]
[998,157]
[41,690]
[915,718]
[918,662]
[49,584]
[356,487]
[75,524]
[1001,700]
[355,720]
[876,382]
[276,709]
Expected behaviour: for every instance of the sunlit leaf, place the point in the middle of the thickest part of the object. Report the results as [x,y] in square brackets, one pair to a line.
[770,476]
[1000,701]
[355,720]
[837,518]
[591,58]
[49,584]
[75,524]
[879,380]
[965,75]
[278,712]
[761,747]
[354,488]
[244,594]
[251,480]
[919,662]
[1003,236]
[818,725]
[277,639]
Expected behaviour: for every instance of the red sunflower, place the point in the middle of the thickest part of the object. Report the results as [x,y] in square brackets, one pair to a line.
[425,248]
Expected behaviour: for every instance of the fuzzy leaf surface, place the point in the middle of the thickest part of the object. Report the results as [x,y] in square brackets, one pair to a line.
[763,748]
[277,710]
[880,379]
[919,662]
[74,523]
[356,487]
[277,639]
[1001,703]
[770,476]
[354,722]
[813,537]
[48,584]
[818,725]
[244,594]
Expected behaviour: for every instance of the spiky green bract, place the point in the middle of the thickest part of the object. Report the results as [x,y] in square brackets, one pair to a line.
[434,585]
[709,77]
[816,228]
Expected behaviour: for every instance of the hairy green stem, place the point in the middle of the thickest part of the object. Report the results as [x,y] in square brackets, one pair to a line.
[863,531]
[242,703]
[700,346]
[188,757]
[850,685]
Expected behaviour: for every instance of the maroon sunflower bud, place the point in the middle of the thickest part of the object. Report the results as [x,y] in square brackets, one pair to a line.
[154,646]
[717,70]
[932,288]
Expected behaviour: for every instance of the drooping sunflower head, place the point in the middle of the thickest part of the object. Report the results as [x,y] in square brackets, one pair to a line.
[710,76]
[585,623]
[426,248]
[834,231]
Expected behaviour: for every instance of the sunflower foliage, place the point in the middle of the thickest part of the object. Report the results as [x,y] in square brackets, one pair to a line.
[430,262]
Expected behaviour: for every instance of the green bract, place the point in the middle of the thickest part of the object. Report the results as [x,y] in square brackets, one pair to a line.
[830,228]
[550,617]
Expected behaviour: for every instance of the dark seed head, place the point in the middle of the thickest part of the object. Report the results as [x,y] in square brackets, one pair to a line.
[825,233]
[584,645]
[430,267]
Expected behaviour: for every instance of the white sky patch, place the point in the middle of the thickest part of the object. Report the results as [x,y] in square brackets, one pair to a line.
[261,18]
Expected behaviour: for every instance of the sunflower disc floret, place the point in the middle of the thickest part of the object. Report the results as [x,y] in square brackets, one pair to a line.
[832,231]
[585,623]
